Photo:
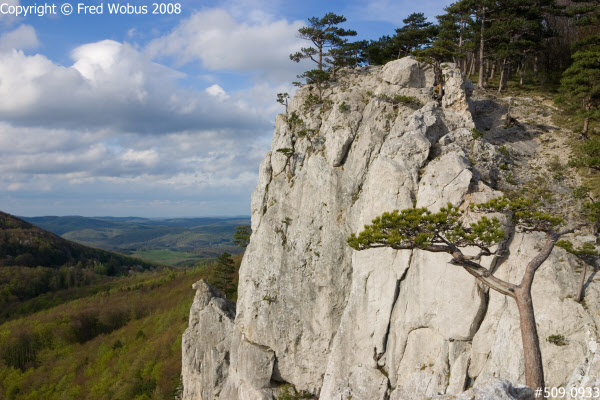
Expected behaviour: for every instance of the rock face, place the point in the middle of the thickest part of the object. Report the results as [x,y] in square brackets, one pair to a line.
[315,316]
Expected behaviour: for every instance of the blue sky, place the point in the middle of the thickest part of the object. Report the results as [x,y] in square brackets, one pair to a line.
[153,115]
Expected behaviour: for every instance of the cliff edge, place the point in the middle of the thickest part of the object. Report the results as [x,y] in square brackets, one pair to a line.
[315,317]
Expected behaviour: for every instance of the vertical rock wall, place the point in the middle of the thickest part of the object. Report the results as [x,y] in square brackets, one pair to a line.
[381,323]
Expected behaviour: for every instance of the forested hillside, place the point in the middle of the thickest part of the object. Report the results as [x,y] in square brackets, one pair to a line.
[122,341]
[36,265]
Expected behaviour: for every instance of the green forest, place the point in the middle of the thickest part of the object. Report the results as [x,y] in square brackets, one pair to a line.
[123,342]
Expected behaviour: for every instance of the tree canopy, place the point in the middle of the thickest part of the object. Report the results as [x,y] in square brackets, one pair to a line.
[324,33]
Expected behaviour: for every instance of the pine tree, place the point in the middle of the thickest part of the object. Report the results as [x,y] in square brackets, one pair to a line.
[225,274]
[318,78]
[580,87]
[381,51]
[241,237]
[416,33]
[324,34]
[444,231]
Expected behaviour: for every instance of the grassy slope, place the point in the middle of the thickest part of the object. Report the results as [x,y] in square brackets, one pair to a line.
[136,355]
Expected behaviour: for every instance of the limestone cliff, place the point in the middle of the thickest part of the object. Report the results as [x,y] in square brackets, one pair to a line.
[315,316]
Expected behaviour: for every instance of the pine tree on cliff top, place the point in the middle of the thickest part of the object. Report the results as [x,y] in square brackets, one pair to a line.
[324,34]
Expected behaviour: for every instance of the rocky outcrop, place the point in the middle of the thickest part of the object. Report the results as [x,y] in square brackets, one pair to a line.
[316,316]
[206,343]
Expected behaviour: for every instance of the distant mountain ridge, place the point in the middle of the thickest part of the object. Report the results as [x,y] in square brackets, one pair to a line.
[24,244]
[191,239]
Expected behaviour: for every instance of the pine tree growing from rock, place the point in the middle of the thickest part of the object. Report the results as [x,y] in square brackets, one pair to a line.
[444,231]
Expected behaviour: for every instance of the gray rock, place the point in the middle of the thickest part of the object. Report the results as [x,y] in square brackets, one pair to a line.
[378,324]
[407,72]
[497,389]
[206,343]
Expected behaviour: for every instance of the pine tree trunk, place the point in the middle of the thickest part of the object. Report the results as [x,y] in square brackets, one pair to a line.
[502,76]
[522,72]
[492,72]
[469,66]
[481,48]
[320,56]
[472,67]
[486,73]
[534,369]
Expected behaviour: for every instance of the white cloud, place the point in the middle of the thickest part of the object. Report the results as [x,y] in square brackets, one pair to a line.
[217,91]
[23,37]
[9,19]
[116,131]
[110,85]
[220,42]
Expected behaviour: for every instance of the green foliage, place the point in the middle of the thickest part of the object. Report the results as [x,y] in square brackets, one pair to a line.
[558,340]
[416,33]
[585,252]
[311,101]
[526,213]
[241,237]
[283,98]
[225,275]
[477,134]
[587,154]
[305,132]
[319,79]
[408,101]
[378,52]
[41,358]
[580,85]
[294,121]
[343,107]
[581,192]
[286,151]
[591,211]
[323,33]
[420,228]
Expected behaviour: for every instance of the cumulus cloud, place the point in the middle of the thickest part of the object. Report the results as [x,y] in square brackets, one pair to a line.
[216,39]
[110,85]
[23,37]
[217,91]
[116,124]
[115,130]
